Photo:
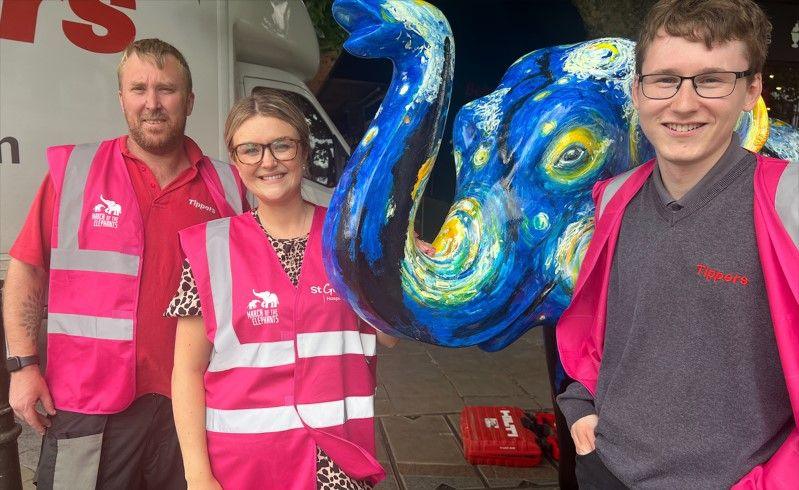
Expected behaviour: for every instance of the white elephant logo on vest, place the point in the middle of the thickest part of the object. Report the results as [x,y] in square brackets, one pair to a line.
[263,309]
[106,213]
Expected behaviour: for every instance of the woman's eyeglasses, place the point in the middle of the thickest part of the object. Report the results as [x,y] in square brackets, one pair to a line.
[253,153]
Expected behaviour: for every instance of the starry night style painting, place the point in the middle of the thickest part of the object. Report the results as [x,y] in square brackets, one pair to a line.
[526,156]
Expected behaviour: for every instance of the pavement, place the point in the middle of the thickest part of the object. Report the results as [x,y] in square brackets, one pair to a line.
[421,392]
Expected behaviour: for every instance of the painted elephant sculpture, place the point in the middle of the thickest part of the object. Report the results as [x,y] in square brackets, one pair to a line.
[526,156]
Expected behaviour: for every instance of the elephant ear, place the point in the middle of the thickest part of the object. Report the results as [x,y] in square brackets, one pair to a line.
[758,130]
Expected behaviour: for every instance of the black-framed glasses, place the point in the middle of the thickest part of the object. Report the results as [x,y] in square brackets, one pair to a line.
[716,85]
[253,153]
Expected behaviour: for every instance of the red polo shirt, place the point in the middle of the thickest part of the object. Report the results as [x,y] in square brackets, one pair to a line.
[182,203]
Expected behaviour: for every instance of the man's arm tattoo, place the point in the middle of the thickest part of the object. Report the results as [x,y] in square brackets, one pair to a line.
[30,313]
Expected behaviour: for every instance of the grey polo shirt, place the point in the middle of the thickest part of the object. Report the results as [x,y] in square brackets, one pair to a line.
[691,393]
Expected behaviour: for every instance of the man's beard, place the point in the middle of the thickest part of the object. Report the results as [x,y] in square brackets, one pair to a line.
[170,138]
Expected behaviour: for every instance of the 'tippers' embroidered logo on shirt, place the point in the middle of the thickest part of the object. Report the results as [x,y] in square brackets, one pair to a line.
[263,309]
[199,205]
[713,275]
[106,213]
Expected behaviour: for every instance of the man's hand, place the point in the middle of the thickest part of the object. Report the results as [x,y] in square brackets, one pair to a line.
[27,388]
[583,434]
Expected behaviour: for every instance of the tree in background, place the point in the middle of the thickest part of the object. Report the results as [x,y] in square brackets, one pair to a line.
[612,18]
[331,37]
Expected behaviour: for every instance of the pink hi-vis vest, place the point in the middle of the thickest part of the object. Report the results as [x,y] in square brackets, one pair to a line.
[581,329]
[95,267]
[290,368]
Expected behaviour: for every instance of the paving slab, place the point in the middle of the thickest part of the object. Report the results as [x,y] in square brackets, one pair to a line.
[427,439]
[403,348]
[390,483]
[430,382]
[428,404]
[415,482]
[483,383]
[543,475]
[431,476]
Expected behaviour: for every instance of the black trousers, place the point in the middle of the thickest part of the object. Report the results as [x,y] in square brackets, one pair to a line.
[592,474]
[134,449]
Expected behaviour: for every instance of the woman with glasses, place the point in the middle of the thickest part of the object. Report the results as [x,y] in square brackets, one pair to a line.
[274,374]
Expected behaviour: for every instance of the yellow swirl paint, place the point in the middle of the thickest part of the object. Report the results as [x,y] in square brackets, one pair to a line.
[421,177]
[457,246]
[458,160]
[571,249]
[480,156]
[369,136]
[453,231]
[611,47]
[580,135]
[548,127]
[758,129]
[541,95]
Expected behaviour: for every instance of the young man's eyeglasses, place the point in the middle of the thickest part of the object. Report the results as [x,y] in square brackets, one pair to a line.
[253,153]
[715,85]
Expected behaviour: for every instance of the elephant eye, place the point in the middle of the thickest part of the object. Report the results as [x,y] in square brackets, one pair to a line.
[572,157]
[576,156]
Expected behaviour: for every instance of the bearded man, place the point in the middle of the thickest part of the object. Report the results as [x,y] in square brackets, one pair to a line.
[100,242]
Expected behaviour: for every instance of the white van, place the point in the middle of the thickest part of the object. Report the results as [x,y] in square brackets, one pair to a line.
[58,79]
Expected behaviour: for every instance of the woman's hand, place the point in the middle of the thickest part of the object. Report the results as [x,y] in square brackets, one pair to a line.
[583,435]
[209,483]
[425,247]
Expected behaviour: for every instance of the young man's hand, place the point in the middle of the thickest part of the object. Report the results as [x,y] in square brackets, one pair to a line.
[583,434]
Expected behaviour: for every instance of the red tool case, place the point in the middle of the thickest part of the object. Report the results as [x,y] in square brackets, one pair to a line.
[496,436]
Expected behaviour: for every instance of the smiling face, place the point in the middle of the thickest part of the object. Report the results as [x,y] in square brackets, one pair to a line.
[271,181]
[688,130]
[156,103]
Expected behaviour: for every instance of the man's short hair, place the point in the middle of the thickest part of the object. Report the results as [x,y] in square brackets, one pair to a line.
[154,50]
[711,22]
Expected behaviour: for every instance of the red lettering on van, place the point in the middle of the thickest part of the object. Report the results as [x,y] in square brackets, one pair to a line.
[18,23]
[121,30]
[18,20]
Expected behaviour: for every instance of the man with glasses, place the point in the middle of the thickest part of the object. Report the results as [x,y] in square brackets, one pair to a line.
[683,329]
[101,244]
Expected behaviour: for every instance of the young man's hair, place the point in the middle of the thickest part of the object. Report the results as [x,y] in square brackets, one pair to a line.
[156,51]
[711,22]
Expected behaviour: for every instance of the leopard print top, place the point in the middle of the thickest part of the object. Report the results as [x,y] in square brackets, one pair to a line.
[290,251]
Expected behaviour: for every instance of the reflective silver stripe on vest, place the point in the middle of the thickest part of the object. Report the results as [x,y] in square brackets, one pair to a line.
[252,420]
[90,326]
[228,352]
[786,200]
[72,189]
[334,344]
[612,188]
[229,184]
[94,261]
[276,419]
[369,342]
[262,355]
[331,414]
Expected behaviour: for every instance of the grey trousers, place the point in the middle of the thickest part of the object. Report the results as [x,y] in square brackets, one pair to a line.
[133,449]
